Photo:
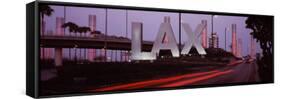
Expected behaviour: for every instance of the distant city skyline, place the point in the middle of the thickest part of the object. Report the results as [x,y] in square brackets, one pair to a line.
[116,23]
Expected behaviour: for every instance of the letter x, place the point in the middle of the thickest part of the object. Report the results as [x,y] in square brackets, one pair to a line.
[193,39]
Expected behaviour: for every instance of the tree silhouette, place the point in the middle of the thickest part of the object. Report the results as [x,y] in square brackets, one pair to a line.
[96,32]
[262,31]
[83,29]
[72,27]
[44,10]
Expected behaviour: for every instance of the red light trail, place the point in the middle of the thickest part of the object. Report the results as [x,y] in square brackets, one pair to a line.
[172,81]
[191,81]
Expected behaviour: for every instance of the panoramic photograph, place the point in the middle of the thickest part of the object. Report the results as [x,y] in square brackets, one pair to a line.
[92,50]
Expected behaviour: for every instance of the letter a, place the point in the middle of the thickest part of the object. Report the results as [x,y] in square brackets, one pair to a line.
[166,32]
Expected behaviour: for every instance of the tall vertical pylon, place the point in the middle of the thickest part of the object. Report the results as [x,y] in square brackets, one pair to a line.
[234,40]
[204,34]
[92,25]
[59,32]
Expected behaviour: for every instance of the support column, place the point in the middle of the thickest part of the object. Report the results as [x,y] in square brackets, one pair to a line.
[58,56]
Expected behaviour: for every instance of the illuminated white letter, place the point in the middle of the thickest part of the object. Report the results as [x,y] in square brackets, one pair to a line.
[166,32]
[193,39]
[136,44]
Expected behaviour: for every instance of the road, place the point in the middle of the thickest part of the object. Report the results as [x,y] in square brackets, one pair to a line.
[239,72]
[245,72]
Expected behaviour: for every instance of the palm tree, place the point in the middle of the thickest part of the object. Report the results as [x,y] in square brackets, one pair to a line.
[72,27]
[44,10]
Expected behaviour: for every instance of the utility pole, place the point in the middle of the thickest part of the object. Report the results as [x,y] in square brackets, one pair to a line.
[225,39]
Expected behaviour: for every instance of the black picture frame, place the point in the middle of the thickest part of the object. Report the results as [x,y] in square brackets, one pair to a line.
[33,45]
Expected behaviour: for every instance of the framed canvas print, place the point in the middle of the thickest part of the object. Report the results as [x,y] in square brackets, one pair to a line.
[82,49]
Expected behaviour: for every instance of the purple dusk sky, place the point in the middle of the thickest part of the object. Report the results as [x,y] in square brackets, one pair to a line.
[151,22]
